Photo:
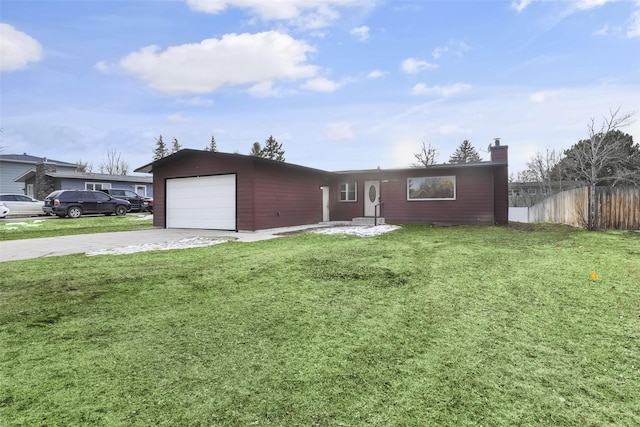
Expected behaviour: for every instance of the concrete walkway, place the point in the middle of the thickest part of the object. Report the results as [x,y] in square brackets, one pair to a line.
[14,250]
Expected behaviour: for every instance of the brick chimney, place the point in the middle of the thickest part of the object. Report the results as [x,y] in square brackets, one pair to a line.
[499,153]
[44,184]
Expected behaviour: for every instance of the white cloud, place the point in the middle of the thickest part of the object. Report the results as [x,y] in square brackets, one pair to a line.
[197,102]
[264,89]
[321,84]
[453,47]
[634,28]
[339,131]
[520,5]
[233,60]
[414,66]
[444,91]
[590,4]
[361,33]
[310,14]
[376,74]
[543,96]
[177,118]
[17,49]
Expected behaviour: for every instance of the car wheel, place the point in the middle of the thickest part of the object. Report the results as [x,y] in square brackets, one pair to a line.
[74,212]
[121,210]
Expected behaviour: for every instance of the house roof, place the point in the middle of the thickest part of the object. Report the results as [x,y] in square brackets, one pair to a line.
[88,176]
[148,168]
[26,158]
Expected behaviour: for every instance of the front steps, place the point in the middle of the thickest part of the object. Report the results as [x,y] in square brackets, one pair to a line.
[367,220]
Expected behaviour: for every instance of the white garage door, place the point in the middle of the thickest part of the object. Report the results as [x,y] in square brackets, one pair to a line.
[207,202]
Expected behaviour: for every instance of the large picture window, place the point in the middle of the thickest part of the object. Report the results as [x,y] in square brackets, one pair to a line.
[431,188]
[348,192]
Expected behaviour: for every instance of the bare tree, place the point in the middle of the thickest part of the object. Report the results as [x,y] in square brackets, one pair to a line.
[114,164]
[542,168]
[590,160]
[426,157]
[84,167]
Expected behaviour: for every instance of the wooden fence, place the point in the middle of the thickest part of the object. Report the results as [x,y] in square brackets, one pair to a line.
[616,208]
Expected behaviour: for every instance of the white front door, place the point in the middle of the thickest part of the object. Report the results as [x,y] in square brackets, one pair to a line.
[325,203]
[371,197]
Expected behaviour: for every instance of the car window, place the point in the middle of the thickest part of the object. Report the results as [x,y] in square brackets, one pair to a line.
[86,196]
[129,193]
[102,197]
[24,199]
[4,197]
[116,192]
[8,198]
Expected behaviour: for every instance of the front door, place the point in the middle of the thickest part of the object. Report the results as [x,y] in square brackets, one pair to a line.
[371,197]
[325,203]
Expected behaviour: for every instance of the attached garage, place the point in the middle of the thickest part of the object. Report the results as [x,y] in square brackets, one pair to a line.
[205,202]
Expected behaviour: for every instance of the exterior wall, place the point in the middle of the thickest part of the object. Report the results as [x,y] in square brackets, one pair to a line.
[286,197]
[11,171]
[474,202]
[203,165]
[268,195]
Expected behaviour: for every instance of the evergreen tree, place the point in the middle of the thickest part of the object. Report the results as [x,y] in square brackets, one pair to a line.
[212,145]
[175,146]
[465,153]
[272,150]
[160,150]
[256,150]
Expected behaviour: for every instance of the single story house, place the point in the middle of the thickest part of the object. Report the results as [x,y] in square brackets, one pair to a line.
[13,166]
[46,177]
[213,190]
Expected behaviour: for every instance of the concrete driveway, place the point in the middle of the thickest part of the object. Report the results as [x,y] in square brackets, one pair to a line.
[14,250]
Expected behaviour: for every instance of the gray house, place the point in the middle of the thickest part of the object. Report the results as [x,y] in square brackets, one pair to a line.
[13,166]
[46,179]
[37,177]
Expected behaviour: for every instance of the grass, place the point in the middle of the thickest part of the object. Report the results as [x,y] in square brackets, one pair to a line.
[54,227]
[422,326]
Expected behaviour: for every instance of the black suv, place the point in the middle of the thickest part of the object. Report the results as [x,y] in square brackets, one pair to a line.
[74,203]
[138,203]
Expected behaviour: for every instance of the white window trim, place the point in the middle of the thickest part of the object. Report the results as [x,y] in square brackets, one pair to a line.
[355,191]
[92,185]
[455,189]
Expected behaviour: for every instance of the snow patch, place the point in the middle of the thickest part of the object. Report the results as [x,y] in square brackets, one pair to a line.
[359,231]
[193,242]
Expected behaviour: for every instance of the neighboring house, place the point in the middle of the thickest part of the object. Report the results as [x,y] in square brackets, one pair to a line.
[525,194]
[213,190]
[46,178]
[13,166]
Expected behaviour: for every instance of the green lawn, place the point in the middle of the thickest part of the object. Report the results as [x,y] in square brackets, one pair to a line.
[455,326]
[53,226]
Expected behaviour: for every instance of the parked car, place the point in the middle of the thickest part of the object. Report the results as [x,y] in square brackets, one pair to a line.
[75,203]
[4,211]
[138,202]
[19,204]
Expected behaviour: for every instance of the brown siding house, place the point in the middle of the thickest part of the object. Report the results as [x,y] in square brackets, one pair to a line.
[203,189]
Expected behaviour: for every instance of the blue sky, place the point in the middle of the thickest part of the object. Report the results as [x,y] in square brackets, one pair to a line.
[342,84]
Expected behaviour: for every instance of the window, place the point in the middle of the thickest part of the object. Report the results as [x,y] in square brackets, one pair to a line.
[96,185]
[141,190]
[531,190]
[348,192]
[431,188]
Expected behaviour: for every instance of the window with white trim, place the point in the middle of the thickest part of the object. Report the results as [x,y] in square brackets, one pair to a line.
[431,188]
[348,192]
[97,185]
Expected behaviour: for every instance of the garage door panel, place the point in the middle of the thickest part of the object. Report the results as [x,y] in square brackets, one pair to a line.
[207,202]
